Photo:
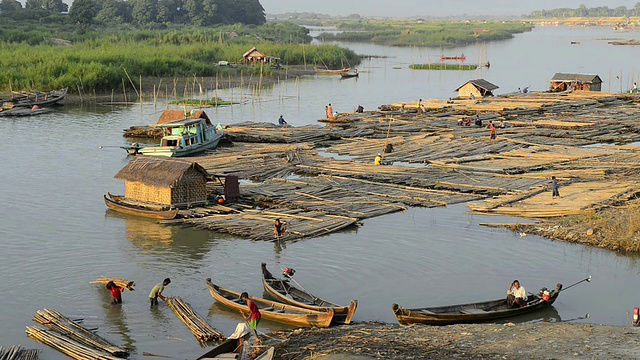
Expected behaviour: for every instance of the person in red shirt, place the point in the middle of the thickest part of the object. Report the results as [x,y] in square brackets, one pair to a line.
[255,316]
[116,292]
[492,136]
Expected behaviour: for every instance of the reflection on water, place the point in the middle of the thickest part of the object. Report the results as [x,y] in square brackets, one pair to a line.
[56,235]
[116,319]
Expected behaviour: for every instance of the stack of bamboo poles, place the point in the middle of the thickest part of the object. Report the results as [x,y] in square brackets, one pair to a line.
[18,353]
[63,325]
[198,326]
[125,284]
[67,346]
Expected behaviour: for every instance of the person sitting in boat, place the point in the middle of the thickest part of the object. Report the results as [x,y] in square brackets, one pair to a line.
[282,121]
[278,228]
[516,295]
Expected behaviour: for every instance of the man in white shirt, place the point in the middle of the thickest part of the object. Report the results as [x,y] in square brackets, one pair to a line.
[516,295]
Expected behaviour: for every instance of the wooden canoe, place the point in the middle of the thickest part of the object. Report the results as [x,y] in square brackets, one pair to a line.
[120,205]
[471,313]
[272,310]
[226,351]
[331,72]
[283,291]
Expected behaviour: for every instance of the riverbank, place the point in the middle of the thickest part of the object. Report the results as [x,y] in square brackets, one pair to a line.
[473,341]
[175,88]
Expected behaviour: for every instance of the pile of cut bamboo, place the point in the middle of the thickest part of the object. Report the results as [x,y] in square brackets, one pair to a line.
[125,284]
[67,346]
[198,326]
[18,353]
[63,325]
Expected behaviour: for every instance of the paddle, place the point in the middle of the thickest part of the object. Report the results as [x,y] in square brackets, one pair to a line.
[588,279]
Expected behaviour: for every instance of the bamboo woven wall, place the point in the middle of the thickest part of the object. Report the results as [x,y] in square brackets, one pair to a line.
[141,192]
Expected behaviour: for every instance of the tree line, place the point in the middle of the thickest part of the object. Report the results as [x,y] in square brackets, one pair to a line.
[583,11]
[139,12]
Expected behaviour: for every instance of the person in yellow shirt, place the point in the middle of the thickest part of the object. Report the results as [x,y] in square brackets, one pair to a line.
[377,160]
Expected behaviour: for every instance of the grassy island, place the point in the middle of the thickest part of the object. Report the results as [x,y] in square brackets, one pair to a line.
[105,59]
[423,33]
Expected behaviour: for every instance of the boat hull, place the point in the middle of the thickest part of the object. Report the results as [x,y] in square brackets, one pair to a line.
[272,310]
[227,347]
[472,312]
[118,204]
[177,151]
[279,289]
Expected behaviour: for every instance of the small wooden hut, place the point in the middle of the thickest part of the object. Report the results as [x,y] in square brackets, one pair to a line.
[166,181]
[476,89]
[253,56]
[563,82]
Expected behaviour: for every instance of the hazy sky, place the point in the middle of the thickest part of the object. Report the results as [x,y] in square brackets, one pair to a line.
[409,8]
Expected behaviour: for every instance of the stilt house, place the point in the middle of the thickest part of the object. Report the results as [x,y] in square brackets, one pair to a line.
[563,82]
[164,181]
[253,56]
[476,89]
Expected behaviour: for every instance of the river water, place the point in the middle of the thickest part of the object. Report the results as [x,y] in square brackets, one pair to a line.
[57,235]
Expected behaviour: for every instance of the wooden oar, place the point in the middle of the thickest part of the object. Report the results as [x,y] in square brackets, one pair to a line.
[301,288]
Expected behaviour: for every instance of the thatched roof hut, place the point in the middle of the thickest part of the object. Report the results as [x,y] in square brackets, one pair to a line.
[476,88]
[166,181]
[562,82]
[253,56]
[175,115]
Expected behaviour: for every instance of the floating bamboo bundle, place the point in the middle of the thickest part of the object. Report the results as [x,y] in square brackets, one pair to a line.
[67,346]
[125,284]
[63,325]
[198,326]
[18,353]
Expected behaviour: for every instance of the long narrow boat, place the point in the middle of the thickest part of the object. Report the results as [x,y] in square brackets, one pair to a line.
[283,291]
[473,312]
[118,204]
[226,351]
[272,310]
[37,98]
[454,57]
[331,71]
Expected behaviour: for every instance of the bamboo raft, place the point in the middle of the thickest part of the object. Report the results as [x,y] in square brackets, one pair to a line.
[67,346]
[322,179]
[18,353]
[198,326]
[125,284]
[76,333]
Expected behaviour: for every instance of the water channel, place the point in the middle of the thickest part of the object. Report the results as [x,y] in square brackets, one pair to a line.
[57,236]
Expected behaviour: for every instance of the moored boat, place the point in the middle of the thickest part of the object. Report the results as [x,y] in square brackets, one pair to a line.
[474,312]
[184,133]
[226,350]
[454,57]
[121,205]
[283,291]
[29,99]
[272,310]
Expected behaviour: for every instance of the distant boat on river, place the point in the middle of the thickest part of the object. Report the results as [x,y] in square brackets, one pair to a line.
[29,99]
[460,57]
